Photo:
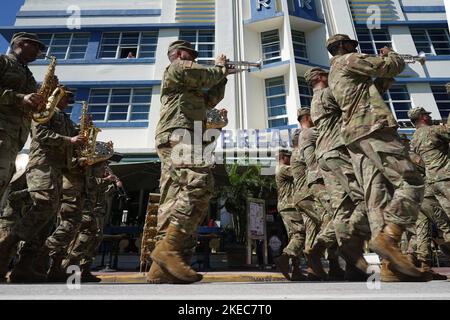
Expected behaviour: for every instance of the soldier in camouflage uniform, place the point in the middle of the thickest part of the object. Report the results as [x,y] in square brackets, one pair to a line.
[186,186]
[392,185]
[50,157]
[347,197]
[303,200]
[18,98]
[326,239]
[84,247]
[292,219]
[431,143]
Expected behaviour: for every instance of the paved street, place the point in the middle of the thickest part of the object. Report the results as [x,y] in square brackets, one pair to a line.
[265,287]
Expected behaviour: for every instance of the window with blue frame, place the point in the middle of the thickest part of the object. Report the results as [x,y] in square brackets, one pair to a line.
[372,40]
[399,100]
[305,92]
[276,102]
[299,44]
[271,46]
[431,41]
[442,99]
[65,45]
[120,105]
[128,45]
[203,41]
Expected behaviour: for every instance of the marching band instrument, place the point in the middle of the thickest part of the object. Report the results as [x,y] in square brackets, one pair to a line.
[240,66]
[409,58]
[52,92]
[93,151]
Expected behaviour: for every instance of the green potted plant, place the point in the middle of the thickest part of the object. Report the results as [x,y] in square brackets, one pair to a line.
[244,182]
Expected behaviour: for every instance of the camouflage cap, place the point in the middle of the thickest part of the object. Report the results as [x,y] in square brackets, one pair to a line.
[333,40]
[25,36]
[303,112]
[182,44]
[285,152]
[314,72]
[415,113]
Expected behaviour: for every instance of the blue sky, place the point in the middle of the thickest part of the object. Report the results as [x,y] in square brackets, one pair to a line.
[8,13]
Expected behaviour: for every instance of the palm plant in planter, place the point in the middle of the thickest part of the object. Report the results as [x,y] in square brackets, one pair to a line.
[244,182]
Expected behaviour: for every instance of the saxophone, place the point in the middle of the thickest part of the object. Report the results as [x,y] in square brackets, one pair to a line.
[93,151]
[52,92]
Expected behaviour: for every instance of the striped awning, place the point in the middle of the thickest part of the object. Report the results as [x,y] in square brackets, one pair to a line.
[198,11]
[362,10]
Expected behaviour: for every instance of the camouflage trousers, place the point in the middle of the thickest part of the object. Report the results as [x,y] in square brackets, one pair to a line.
[295,229]
[393,187]
[69,215]
[431,213]
[349,214]
[322,204]
[185,194]
[9,148]
[44,187]
[441,190]
[84,247]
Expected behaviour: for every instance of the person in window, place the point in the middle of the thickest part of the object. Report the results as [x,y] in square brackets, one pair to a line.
[131,55]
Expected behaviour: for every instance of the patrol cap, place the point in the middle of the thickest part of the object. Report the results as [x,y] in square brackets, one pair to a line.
[333,40]
[313,72]
[303,112]
[182,44]
[25,36]
[415,113]
[285,152]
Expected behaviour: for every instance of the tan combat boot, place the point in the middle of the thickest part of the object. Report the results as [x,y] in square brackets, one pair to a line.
[426,268]
[282,263]
[56,273]
[24,272]
[386,245]
[8,244]
[297,274]
[389,274]
[168,255]
[313,256]
[335,272]
[352,252]
[86,275]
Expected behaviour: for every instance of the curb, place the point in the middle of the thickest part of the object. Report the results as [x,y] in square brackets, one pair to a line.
[211,277]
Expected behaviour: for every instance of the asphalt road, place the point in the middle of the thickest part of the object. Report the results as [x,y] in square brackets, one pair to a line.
[241,291]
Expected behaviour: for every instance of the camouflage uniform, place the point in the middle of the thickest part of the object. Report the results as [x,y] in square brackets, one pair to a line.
[392,185]
[89,237]
[50,156]
[431,143]
[292,219]
[314,180]
[347,200]
[185,188]
[16,81]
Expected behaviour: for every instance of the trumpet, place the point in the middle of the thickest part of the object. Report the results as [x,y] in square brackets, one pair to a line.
[409,58]
[239,66]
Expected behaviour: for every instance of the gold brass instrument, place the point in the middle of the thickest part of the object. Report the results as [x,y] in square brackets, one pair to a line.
[93,151]
[240,66]
[52,92]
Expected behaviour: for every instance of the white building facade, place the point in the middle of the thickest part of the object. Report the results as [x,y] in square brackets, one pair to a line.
[113,54]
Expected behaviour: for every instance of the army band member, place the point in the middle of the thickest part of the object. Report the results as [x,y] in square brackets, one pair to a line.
[292,219]
[18,97]
[393,187]
[50,158]
[186,187]
[347,198]
[325,240]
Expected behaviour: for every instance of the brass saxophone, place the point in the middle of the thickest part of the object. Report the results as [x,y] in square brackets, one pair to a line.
[52,92]
[92,151]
